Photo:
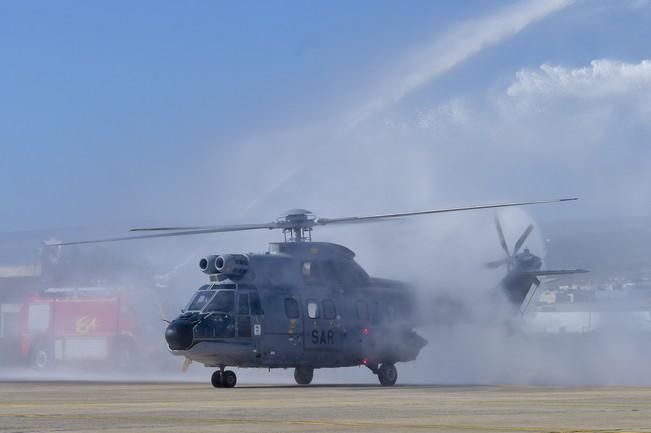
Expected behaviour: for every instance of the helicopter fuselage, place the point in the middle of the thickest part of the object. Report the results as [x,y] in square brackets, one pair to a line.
[300,305]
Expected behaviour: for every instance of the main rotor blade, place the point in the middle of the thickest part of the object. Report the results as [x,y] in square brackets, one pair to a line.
[500,234]
[216,229]
[522,239]
[285,224]
[211,229]
[162,229]
[349,220]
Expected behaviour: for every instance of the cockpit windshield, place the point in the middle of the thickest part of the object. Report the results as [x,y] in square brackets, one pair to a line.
[223,302]
[199,300]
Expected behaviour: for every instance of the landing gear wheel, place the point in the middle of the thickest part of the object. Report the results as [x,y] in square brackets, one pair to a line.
[40,358]
[303,375]
[216,379]
[229,379]
[387,374]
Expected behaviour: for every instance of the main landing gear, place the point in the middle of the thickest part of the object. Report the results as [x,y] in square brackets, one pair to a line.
[303,375]
[223,379]
[387,373]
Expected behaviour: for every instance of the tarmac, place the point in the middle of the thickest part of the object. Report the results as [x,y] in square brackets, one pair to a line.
[183,407]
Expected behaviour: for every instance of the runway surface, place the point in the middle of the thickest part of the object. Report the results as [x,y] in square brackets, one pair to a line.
[139,407]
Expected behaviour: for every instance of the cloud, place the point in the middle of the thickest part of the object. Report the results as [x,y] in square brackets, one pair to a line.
[602,79]
[585,129]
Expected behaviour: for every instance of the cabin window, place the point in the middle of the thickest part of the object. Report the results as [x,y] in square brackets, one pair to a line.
[291,308]
[329,310]
[243,303]
[224,302]
[362,310]
[256,306]
[244,326]
[312,309]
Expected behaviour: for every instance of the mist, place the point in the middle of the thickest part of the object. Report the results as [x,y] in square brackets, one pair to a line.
[405,136]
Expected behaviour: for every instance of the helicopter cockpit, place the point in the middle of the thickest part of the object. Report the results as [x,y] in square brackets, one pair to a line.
[215,311]
[220,298]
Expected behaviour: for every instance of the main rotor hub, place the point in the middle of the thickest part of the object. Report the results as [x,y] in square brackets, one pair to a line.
[297,225]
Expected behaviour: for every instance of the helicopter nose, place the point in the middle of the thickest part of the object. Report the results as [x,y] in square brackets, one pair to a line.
[179,335]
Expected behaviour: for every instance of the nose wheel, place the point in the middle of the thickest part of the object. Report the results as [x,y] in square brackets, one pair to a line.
[223,379]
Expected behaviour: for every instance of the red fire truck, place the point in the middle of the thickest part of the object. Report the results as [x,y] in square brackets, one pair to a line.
[79,325]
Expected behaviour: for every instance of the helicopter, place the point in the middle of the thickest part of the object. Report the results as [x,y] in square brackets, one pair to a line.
[305,304]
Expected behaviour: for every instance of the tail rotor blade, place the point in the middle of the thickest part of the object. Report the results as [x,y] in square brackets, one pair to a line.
[500,234]
[522,239]
[497,263]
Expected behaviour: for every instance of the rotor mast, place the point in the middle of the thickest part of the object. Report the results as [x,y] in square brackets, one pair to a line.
[297,225]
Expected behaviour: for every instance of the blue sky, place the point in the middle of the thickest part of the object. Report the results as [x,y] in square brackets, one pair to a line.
[129,112]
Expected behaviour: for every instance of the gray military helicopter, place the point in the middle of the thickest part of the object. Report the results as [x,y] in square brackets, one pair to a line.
[303,304]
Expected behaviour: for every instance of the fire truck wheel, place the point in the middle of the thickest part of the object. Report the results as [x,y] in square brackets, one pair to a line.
[40,358]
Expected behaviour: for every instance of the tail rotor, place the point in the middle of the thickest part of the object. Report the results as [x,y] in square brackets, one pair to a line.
[510,258]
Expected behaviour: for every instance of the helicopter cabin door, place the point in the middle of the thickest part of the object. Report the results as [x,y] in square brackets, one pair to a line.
[250,316]
[320,324]
[282,332]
